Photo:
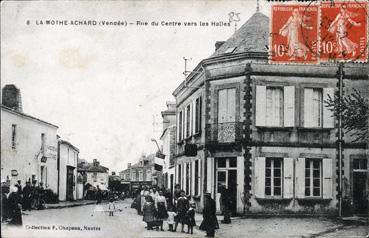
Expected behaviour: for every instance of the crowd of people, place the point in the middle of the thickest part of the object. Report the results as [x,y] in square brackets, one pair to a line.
[14,199]
[158,206]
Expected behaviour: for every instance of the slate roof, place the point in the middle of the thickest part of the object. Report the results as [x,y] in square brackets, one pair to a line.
[253,36]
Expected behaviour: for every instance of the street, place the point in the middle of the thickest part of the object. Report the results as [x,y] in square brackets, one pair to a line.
[82,221]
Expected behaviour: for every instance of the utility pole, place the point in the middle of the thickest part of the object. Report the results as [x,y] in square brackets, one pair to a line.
[340,135]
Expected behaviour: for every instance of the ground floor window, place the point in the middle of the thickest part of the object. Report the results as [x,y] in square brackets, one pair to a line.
[273,176]
[313,172]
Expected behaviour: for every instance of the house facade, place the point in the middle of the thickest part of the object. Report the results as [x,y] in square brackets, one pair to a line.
[94,174]
[264,131]
[67,170]
[28,144]
[168,144]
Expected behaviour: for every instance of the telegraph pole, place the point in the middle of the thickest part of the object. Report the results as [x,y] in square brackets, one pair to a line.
[340,135]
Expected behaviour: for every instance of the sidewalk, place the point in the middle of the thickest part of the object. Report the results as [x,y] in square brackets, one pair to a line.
[64,204]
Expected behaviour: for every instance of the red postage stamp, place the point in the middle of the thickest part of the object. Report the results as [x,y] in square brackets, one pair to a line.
[294,33]
[343,31]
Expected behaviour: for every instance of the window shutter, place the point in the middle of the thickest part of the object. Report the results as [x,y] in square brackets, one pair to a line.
[194,108]
[300,178]
[222,106]
[260,108]
[288,177]
[231,105]
[209,175]
[308,106]
[259,172]
[327,178]
[178,127]
[193,192]
[328,119]
[289,106]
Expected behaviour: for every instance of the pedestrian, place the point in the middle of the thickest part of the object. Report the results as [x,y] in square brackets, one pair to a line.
[4,202]
[170,219]
[161,207]
[177,194]
[41,193]
[169,197]
[111,207]
[14,205]
[144,193]
[225,201]
[138,202]
[191,218]
[19,186]
[98,195]
[149,212]
[34,195]
[210,221]
[27,197]
[182,207]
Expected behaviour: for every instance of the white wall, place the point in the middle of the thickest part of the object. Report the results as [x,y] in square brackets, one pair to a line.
[25,158]
[102,179]
[68,157]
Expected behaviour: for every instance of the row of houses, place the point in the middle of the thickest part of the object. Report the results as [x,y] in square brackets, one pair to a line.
[32,151]
[264,131]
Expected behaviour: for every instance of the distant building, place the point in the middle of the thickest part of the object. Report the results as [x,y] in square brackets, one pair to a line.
[168,139]
[67,168]
[94,174]
[28,144]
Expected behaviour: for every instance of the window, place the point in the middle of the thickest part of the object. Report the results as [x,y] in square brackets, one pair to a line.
[313,180]
[273,176]
[140,176]
[43,143]
[313,107]
[196,177]
[198,115]
[134,176]
[148,175]
[94,176]
[274,106]
[179,174]
[180,126]
[187,178]
[360,164]
[14,138]
[227,105]
[188,120]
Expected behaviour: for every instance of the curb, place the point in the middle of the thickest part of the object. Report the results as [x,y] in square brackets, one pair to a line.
[324,232]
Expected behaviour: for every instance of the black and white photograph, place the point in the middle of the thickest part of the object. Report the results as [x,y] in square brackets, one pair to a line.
[174,118]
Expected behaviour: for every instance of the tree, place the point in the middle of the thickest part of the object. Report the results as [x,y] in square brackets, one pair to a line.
[355,114]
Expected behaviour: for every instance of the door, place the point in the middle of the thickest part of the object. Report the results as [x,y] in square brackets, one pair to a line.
[226,175]
[70,183]
[359,186]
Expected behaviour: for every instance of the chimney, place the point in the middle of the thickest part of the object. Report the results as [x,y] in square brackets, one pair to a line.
[218,44]
[95,163]
[12,97]
[112,173]
[129,165]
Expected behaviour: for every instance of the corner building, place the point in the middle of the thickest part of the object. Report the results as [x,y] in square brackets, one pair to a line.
[264,130]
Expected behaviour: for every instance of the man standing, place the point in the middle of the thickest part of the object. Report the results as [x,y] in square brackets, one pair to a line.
[27,194]
[182,207]
[210,222]
[19,187]
[98,195]
[225,200]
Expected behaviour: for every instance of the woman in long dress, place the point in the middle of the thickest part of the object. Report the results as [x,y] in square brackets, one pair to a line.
[161,207]
[291,30]
[149,212]
[210,221]
[14,206]
[339,27]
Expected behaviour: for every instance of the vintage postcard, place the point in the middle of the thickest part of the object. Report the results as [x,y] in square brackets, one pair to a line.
[155,118]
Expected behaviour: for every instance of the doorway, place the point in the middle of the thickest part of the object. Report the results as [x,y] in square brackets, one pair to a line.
[360,187]
[70,183]
[226,175]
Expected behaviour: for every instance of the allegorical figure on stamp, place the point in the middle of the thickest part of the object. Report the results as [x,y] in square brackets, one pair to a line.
[291,30]
[340,27]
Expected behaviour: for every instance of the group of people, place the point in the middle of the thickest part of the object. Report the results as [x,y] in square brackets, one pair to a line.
[158,205]
[14,199]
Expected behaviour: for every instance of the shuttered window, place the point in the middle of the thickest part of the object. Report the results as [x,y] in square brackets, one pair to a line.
[198,104]
[227,105]
[273,176]
[275,106]
[316,114]
[180,125]
[188,120]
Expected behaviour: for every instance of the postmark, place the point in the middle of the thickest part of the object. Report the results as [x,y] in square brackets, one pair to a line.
[294,33]
[343,31]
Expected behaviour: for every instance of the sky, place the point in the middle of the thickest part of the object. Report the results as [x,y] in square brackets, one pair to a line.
[103,85]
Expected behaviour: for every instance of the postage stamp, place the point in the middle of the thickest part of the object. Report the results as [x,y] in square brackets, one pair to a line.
[294,33]
[343,31]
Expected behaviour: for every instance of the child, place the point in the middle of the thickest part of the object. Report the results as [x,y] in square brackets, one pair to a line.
[170,220]
[191,218]
[111,207]
[149,212]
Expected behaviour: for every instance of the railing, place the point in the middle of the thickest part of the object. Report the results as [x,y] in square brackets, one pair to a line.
[227,132]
